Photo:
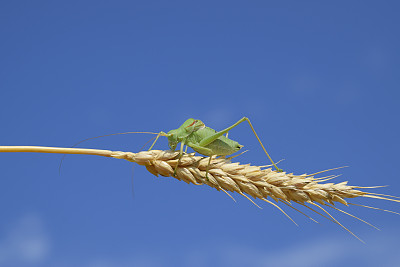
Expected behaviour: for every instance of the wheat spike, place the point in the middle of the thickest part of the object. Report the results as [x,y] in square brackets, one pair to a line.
[245,179]
[252,180]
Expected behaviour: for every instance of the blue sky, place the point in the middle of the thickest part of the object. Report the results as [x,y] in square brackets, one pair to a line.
[320,82]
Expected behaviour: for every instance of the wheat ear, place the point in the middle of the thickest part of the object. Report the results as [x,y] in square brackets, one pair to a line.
[245,179]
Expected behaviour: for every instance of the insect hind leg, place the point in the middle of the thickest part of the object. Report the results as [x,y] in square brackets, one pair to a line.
[213,137]
[254,131]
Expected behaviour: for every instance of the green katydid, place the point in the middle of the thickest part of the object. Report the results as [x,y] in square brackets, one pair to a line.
[206,141]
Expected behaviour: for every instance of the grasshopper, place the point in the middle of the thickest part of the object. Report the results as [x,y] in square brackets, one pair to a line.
[206,141]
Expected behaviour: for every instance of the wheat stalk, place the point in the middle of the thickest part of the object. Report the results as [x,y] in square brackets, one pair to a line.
[245,179]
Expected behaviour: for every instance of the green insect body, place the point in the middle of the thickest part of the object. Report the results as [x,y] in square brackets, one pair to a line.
[193,133]
[204,140]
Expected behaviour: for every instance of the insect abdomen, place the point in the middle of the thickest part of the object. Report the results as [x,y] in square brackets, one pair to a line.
[220,147]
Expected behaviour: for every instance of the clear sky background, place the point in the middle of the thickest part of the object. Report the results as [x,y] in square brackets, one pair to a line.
[319,80]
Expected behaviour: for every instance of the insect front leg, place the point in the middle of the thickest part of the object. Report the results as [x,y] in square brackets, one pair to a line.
[158,136]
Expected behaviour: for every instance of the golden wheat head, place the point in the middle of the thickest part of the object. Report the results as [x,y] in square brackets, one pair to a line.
[258,182]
